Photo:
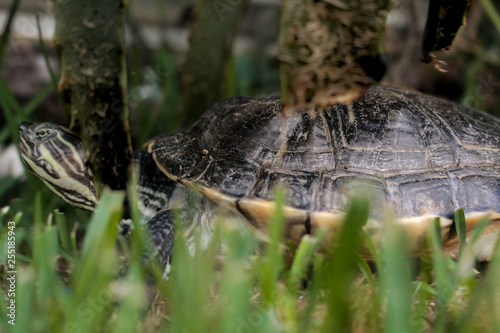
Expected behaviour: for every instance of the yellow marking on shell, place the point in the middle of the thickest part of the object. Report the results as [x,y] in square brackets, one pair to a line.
[486,243]
[415,227]
[329,221]
[148,145]
[216,196]
[473,218]
[159,166]
[261,211]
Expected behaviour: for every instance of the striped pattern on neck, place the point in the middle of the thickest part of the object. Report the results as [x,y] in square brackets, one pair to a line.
[56,156]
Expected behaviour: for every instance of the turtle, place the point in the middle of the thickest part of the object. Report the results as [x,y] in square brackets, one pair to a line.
[420,155]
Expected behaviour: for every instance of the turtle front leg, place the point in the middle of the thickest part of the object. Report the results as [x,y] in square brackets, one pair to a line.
[162,230]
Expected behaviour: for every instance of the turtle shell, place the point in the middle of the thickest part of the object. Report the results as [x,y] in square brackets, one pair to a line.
[421,155]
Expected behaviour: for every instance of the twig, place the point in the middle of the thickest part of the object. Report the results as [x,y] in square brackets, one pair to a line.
[44,52]
[53,76]
[4,39]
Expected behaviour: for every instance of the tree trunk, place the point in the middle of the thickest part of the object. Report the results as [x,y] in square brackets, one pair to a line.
[324,46]
[210,46]
[89,35]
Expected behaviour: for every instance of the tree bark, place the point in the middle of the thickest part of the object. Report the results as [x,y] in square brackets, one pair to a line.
[322,43]
[210,47]
[89,36]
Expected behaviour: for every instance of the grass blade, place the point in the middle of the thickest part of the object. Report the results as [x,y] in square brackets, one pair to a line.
[341,266]
[64,234]
[461,227]
[271,263]
[397,281]
[445,283]
[308,245]
[236,283]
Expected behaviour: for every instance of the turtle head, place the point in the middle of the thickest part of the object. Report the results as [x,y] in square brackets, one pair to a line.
[56,156]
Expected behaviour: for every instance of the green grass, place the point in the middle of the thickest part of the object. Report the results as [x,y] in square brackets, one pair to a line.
[104,284]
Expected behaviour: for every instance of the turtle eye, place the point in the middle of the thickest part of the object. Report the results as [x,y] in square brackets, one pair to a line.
[44,132]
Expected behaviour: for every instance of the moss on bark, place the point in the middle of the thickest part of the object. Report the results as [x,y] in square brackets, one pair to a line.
[321,42]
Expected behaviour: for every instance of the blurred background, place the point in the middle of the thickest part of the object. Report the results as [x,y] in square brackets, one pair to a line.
[157,39]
